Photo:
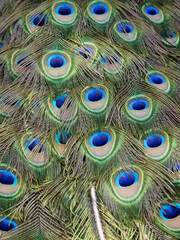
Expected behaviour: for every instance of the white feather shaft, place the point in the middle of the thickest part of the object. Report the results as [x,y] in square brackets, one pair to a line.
[96,214]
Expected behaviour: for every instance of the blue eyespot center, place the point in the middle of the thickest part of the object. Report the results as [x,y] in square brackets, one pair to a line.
[22,62]
[39,20]
[64,9]
[126,179]
[9,101]
[59,101]
[63,137]
[156,79]
[99,139]
[7,178]
[36,105]
[169,34]
[84,53]
[110,59]
[170,211]
[56,61]
[99,9]
[95,95]
[125,28]
[7,225]
[32,143]
[138,104]
[175,167]
[151,11]
[153,141]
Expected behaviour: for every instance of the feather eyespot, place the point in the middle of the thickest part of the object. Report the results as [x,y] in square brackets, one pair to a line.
[64,12]
[35,151]
[126,31]
[63,137]
[139,108]
[156,145]
[175,167]
[158,80]
[36,105]
[101,144]
[9,100]
[95,99]
[9,182]
[60,141]
[127,184]
[63,107]
[7,225]
[21,63]
[126,179]
[170,38]
[100,12]
[85,53]
[59,101]
[35,22]
[169,215]
[38,20]
[31,145]
[153,13]
[56,65]
[112,62]
[9,103]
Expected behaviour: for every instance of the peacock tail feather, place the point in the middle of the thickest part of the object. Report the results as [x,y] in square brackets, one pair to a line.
[89,120]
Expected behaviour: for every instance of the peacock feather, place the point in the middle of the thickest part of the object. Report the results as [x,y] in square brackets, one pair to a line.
[89,119]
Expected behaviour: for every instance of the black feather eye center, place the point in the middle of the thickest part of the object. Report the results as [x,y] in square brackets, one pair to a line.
[126,29]
[59,101]
[4,226]
[175,167]
[169,34]
[100,140]
[139,105]
[151,11]
[157,80]
[126,180]
[9,101]
[24,62]
[99,10]
[154,142]
[56,62]
[64,10]
[170,211]
[63,138]
[39,21]
[85,55]
[30,144]
[112,60]
[95,96]
[6,178]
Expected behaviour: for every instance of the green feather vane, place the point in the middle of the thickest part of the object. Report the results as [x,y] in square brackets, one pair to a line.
[89,120]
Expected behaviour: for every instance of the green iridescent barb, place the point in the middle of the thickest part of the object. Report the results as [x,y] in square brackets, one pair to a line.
[89,120]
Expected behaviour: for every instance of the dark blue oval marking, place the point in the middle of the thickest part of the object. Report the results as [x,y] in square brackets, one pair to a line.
[99,139]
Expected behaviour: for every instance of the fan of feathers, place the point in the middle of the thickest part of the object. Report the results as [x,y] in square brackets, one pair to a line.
[90,119]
